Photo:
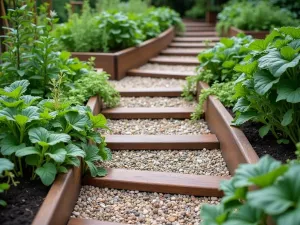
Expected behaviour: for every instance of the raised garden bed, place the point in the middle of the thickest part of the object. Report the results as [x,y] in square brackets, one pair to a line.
[233,31]
[118,63]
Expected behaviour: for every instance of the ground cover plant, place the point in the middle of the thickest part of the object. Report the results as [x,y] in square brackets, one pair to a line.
[258,193]
[254,15]
[113,30]
[217,69]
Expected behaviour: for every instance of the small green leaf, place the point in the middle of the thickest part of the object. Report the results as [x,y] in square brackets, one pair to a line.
[258,45]
[289,91]
[76,120]
[47,173]
[5,164]
[294,32]
[62,169]
[92,168]
[264,130]
[4,186]
[58,155]
[101,172]
[245,215]
[98,121]
[288,53]
[287,118]
[21,120]
[244,117]
[3,203]
[213,215]
[74,151]
[242,105]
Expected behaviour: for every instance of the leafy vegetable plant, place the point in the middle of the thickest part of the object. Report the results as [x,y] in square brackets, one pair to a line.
[5,167]
[268,90]
[257,193]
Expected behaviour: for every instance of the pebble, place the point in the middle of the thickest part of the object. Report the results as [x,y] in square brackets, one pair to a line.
[133,209]
[156,127]
[131,102]
[198,162]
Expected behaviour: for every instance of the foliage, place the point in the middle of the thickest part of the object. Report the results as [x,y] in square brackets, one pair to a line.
[248,15]
[275,193]
[5,167]
[92,84]
[216,69]
[268,90]
[132,6]
[47,136]
[198,10]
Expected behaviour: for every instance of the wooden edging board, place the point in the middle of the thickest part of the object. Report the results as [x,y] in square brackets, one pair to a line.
[62,196]
[233,31]
[78,221]
[118,63]
[235,147]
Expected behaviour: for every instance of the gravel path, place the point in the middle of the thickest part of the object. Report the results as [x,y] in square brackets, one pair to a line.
[177,57]
[156,127]
[130,102]
[134,207]
[198,162]
[148,82]
[160,67]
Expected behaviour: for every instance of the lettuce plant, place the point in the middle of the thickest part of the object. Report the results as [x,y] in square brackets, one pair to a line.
[258,193]
[5,167]
[46,137]
[268,91]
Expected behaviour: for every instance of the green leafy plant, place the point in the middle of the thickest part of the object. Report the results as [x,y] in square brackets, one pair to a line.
[5,167]
[46,136]
[268,90]
[258,192]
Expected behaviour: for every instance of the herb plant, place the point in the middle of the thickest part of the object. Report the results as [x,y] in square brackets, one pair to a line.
[268,90]
[274,194]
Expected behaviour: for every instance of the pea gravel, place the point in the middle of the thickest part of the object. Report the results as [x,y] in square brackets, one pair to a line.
[198,162]
[130,102]
[161,67]
[147,82]
[156,127]
[140,208]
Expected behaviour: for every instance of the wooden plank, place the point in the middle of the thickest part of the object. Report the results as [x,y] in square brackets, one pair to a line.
[77,221]
[197,24]
[199,34]
[175,61]
[162,182]
[159,74]
[197,29]
[235,146]
[190,45]
[182,52]
[148,113]
[176,142]
[151,92]
[196,39]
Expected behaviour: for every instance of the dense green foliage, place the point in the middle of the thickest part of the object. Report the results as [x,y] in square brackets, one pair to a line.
[275,193]
[268,90]
[257,15]
[114,30]
[216,69]
[130,6]
[198,10]
[5,175]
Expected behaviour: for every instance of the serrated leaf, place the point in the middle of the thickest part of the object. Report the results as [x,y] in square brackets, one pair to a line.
[287,117]
[5,164]
[246,68]
[47,173]
[264,81]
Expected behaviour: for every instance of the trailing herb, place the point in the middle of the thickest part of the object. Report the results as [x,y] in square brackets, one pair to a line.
[275,193]
[47,136]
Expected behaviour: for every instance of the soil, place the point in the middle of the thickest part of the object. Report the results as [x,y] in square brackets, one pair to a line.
[23,202]
[268,144]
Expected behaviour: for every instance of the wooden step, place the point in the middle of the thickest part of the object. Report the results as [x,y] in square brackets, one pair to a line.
[175,142]
[199,34]
[196,39]
[199,29]
[197,24]
[175,61]
[77,221]
[190,45]
[151,92]
[182,52]
[159,74]
[161,182]
[148,113]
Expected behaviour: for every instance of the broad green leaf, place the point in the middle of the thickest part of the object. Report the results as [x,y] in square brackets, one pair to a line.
[233,196]
[92,168]
[281,196]
[294,32]
[47,173]
[277,65]
[75,151]
[4,186]
[31,112]
[38,135]
[213,215]
[76,120]
[264,81]
[58,155]
[10,103]
[242,105]
[29,100]
[227,42]
[288,53]
[21,120]
[259,45]
[264,130]
[295,44]
[27,151]
[92,153]
[287,118]
[248,68]
[98,121]
[8,113]
[53,139]
[291,217]
[5,164]
[244,117]
[9,145]
[62,169]
[74,161]
[101,172]
[229,64]
[12,94]
[245,215]
[289,91]
[262,174]
[20,85]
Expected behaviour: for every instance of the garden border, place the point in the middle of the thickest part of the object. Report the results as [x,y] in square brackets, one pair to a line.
[63,194]
[118,63]
[233,31]
[235,147]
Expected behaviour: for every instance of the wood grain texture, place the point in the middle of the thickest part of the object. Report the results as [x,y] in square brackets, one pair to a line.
[160,74]
[199,34]
[151,92]
[78,221]
[95,104]
[235,146]
[190,45]
[182,52]
[196,39]
[175,61]
[148,113]
[162,182]
[173,142]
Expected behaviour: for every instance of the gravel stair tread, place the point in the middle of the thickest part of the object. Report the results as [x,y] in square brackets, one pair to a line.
[182,51]
[189,45]
[175,60]
[199,34]
[196,39]
[150,92]
[160,74]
